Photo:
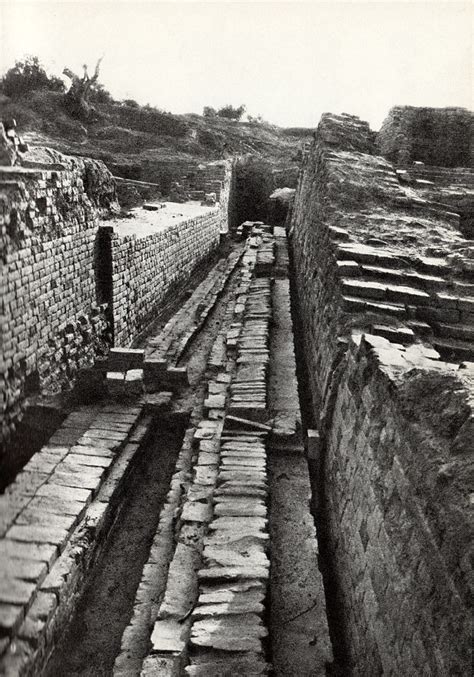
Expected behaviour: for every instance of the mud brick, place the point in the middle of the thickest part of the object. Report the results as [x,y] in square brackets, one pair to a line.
[56,506]
[25,569]
[237,633]
[107,434]
[168,636]
[15,591]
[236,422]
[38,534]
[133,382]
[78,480]
[44,518]
[196,512]
[10,507]
[92,451]
[52,490]
[11,616]
[90,441]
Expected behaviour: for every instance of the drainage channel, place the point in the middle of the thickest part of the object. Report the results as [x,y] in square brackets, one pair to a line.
[309,415]
[93,637]
[92,640]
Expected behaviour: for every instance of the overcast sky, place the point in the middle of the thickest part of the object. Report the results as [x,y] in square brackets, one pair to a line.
[288,61]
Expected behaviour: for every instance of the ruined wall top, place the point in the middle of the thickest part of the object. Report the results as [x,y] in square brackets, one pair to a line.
[435,136]
[346,132]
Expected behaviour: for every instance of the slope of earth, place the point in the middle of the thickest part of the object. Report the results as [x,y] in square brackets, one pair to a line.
[122,134]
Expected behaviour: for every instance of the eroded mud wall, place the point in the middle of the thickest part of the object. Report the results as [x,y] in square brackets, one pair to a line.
[51,324]
[380,309]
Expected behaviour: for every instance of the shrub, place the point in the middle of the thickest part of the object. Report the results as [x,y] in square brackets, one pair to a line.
[100,95]
[230,112]
[211,140]
[209,112]
[27,76]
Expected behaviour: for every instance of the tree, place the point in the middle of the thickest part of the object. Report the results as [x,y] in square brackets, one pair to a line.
[230,112]
[209,112]
[101,95]
[27,76]
[77,98]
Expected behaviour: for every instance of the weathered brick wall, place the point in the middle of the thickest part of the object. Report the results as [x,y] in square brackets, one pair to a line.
[315,239]
[435,136]
[398,490]
[396,421]
[212,177]
[52,324]
[145,269]
[209,176]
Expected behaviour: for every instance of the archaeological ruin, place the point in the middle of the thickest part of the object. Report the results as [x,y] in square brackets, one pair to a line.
[238,433]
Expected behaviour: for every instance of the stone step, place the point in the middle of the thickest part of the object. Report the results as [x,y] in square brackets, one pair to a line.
[403,277]
[454,350]
[382,292]
[353,304]
[402,335]
[369,255]
[455,331]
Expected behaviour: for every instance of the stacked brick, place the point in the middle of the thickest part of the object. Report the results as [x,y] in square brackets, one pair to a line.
[11,145]
[145,269]
[396,422]
[435,136]
[67,492]
[213,602]
[52,325]
[196,180]
[228,620]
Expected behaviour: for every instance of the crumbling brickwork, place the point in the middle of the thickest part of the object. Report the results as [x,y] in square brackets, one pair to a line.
[435,136]
[52,324]
[373,258]
[397,487]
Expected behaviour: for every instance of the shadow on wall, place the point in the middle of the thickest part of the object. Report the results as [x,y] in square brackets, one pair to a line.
[255,181]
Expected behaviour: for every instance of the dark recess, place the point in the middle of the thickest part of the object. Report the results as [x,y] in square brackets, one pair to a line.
[103,273]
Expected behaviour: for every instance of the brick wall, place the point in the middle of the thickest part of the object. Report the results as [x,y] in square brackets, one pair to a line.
[396,420]
[144,269]
[52,324]
[435,136]
[209,176]
[397,504]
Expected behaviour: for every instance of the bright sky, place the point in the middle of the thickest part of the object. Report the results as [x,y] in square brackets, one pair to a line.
[288,61]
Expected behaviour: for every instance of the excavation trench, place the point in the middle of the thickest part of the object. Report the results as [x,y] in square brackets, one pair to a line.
[296,609]
[92,640]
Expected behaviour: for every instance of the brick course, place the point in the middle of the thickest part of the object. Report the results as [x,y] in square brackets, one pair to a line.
[52,325]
